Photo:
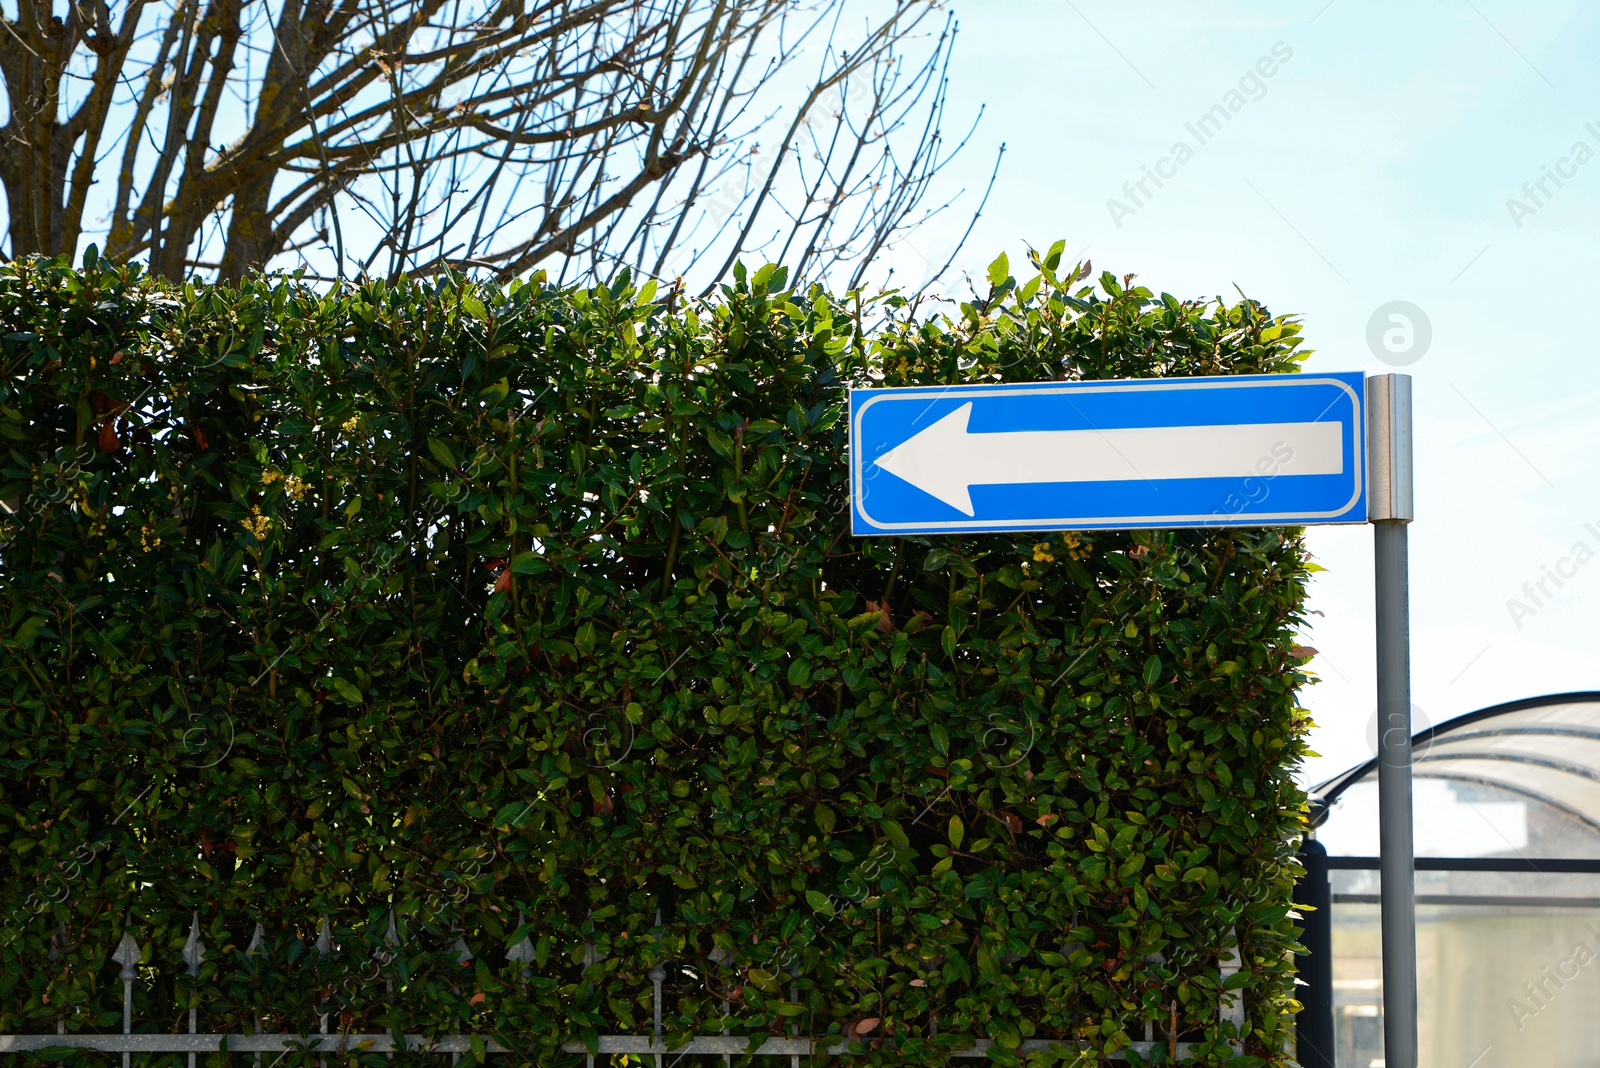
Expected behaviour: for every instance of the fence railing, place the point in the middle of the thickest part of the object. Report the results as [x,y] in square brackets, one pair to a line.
[128,954]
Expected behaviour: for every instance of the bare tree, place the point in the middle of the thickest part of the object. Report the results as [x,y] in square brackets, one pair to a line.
[375,137]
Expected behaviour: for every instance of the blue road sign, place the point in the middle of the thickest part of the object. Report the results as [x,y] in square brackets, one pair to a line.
[1247,450]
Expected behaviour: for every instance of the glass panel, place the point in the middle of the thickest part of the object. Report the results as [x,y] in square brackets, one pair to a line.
[1578,721]
[1458,819]
[1578,795]
[1578,713]
[1562,749]
[1498,987]
[1511,978]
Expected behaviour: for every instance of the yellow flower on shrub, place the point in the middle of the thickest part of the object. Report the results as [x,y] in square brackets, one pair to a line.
[1072,545]
[257,524]
[293,485]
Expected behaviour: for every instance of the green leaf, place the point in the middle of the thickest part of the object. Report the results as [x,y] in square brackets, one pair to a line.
[441,452]
[512,815]
[1152,670]
[958,831]
[529,563]
[30,630]
[941,738]
[819,902]
[999,270]
[347,690]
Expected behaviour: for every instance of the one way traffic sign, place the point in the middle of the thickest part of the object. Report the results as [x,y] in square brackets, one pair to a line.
[1243,450]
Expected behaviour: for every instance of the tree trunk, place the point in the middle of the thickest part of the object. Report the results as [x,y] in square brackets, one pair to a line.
[251,240]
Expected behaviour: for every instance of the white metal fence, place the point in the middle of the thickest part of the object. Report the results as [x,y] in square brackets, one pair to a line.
[322,1041]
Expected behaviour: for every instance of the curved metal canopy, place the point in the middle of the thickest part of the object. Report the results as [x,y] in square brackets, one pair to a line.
[1546,749]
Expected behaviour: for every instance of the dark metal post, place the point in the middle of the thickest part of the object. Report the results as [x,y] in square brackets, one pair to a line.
[1390,509]
[1313,1025]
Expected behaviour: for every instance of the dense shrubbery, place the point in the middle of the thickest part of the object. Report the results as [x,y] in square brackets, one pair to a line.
[533,614]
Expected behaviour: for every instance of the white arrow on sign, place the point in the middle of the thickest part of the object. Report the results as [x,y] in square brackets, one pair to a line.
[945,460]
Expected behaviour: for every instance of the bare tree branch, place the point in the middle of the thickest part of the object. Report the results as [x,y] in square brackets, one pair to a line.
[492,136]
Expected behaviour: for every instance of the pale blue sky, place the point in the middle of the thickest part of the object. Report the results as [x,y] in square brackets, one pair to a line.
[1375,165]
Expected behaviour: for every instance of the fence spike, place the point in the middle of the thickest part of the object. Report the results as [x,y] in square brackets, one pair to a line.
[254,950]
[391,935]
[127,955]
[658,976]
[324,947]
[463,951]
[521,952]
[1231,1010]
[194,950]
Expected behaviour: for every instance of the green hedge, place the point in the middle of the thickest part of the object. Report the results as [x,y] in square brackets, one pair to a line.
[533,614]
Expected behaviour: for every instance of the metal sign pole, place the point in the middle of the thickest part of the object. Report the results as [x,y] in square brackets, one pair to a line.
[1390,509]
